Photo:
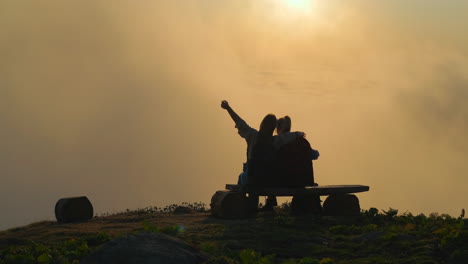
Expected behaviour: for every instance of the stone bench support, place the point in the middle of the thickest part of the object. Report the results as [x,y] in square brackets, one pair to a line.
[232,203]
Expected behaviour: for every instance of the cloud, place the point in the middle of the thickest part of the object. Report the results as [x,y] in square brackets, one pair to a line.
[438,105]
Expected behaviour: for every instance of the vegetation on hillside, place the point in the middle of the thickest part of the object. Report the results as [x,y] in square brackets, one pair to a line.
[372,237]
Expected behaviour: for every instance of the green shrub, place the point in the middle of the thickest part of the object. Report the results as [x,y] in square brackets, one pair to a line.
[221,260]
[249,256]
[66,252]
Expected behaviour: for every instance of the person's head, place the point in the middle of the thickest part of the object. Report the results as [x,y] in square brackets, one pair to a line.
[268,124]
[284,125]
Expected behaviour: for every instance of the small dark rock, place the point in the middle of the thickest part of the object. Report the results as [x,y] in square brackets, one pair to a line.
[183,210]
[146,248]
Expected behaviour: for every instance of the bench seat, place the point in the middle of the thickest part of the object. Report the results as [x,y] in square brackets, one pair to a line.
[308,190]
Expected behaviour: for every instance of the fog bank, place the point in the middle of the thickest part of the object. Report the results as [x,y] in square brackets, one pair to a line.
[120,101]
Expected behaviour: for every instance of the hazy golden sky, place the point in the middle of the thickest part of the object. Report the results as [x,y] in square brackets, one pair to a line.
[119,100]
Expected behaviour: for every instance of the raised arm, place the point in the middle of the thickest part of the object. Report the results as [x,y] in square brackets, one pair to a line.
[243,128]
[234,116]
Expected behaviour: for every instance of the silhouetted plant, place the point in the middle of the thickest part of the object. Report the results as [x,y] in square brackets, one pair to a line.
[283,220]
[391,213]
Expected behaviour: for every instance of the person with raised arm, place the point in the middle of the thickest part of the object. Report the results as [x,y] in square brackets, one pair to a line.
[261,149]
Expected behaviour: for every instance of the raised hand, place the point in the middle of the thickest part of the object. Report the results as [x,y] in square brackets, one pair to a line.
[224,104]
[234,116]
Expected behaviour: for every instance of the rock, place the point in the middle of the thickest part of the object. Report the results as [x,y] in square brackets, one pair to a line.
[183,210]
[341,205]
[146,248]
[73,209]
[229,204]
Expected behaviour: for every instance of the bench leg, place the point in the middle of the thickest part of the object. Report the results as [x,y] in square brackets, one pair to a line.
[308,204]
[230,204]
[341,205]
[253,202]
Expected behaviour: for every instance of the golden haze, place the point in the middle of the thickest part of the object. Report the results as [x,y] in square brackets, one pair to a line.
[119,101]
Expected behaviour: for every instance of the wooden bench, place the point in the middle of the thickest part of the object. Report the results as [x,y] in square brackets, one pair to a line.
[233,203]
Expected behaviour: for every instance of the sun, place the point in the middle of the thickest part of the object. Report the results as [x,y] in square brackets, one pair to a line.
[295,7]
[296,4]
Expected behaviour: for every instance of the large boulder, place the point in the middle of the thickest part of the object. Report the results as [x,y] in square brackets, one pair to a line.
[73,209]
[146,248]
[229,204]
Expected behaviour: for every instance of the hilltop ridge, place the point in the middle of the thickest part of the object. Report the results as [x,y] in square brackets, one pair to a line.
[277,237]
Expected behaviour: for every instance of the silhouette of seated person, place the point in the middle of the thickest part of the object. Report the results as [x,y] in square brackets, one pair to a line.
[293,166]
[294,160]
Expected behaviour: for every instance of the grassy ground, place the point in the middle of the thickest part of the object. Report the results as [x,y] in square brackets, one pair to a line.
[372,237]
